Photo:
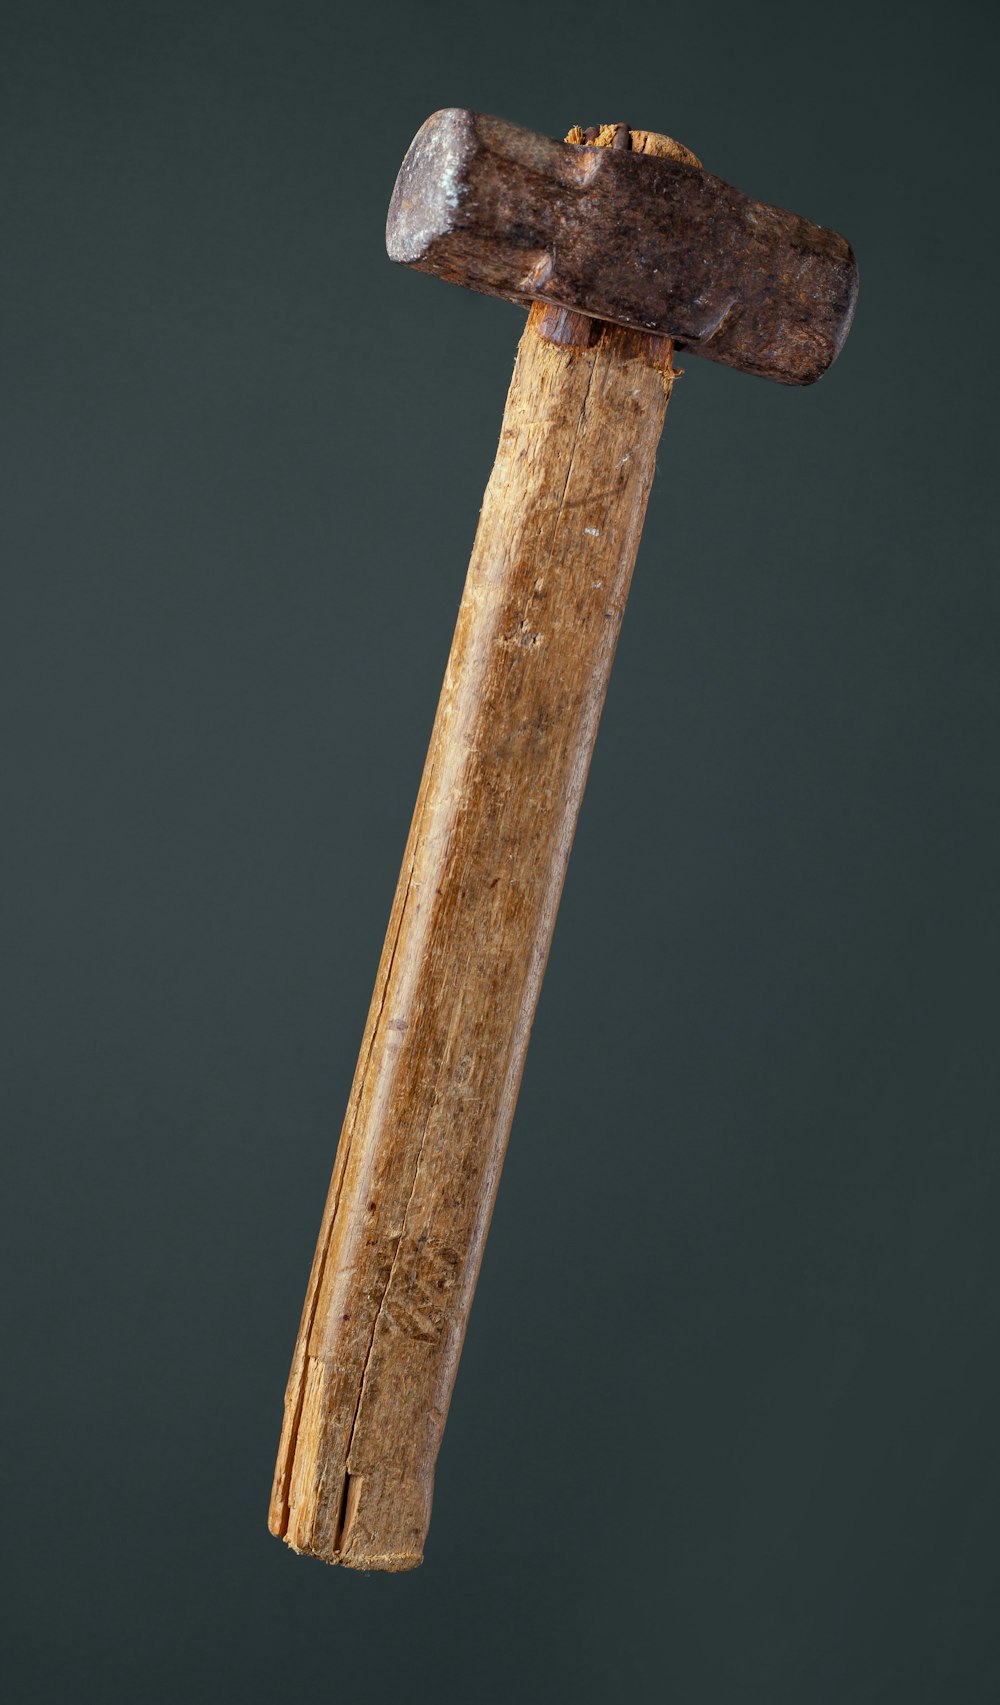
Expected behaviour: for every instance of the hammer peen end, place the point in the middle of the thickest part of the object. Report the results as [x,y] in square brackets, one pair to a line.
[653,243]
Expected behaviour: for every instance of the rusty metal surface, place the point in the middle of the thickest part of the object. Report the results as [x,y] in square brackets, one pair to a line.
[642,241]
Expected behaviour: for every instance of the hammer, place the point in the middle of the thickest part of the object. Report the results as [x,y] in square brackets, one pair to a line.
[623,248]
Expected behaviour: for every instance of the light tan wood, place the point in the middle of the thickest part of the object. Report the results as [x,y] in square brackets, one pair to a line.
[441,1059]
[639,141]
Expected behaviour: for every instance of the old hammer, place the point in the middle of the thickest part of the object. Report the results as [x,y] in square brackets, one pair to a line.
[622,246]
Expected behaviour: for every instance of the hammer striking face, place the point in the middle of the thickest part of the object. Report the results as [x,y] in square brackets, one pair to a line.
[653,243]
[618,251]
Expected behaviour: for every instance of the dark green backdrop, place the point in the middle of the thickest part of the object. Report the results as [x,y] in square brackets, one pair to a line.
[725,1429]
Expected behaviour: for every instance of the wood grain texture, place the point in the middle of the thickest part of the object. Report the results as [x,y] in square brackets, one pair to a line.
[637,141]
[441,1058]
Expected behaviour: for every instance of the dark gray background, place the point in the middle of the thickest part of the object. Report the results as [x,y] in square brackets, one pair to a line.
[725,1428]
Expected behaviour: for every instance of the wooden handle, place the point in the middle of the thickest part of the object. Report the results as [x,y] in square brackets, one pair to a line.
[433,1096]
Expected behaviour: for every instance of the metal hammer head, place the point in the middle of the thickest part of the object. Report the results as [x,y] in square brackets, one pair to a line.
[649,242]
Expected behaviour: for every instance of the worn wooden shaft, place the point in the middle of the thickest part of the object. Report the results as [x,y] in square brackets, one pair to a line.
[441,1059]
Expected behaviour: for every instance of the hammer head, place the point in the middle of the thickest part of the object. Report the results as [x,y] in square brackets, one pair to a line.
[644,241]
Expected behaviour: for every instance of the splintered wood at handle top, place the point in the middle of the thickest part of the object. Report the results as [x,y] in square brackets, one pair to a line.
[442,1054]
